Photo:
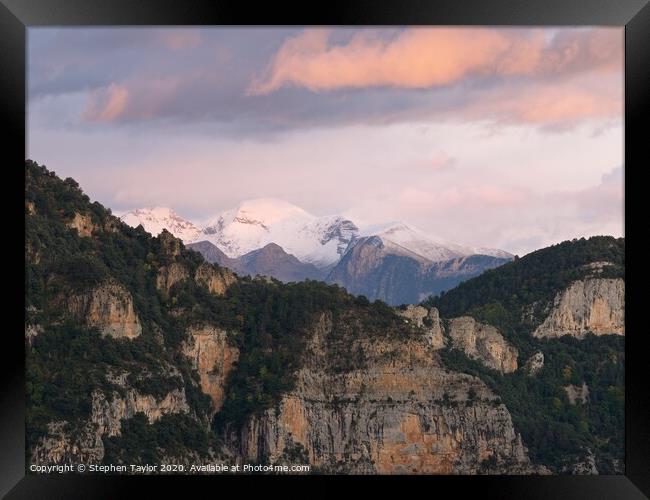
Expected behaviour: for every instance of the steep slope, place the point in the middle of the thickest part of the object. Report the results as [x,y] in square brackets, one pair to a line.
[562,308]
[212,254]
[382,269]
[272,260]
[375,403]
[424,245]
[211,344]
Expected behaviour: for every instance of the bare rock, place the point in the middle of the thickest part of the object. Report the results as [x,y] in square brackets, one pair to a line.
[213,358]
[429,321]
[216,280]
[534,364]
[484,343]
[593,305]
[108,307]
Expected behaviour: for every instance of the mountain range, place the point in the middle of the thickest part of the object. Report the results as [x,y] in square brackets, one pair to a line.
[137,350]
[394,262]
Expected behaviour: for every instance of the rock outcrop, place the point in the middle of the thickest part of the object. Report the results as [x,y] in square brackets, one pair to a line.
[85,444]
[577,394]
[31,332]
[216,280]
[170,246]
[593,305]
[169,275]
[83,223]
[429,321]
[402,414]
[484,343]
[534,364]
[108,412]
[213,358]
[108,307]
[62,447]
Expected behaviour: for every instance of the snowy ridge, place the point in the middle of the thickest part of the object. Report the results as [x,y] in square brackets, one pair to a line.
[154,220]
[321,241]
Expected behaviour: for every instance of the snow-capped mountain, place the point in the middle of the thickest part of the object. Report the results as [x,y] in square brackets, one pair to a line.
[321,241]
[395,262]
[423,244]
[154,220]
[256,223]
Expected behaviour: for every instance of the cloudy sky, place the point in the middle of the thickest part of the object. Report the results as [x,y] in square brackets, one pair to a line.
[509,138]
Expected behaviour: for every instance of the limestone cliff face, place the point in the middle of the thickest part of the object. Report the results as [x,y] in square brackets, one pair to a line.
[403,413]
[594,305]
[62,447]
[107,413]
[215,280]
[108,307]
[483,343]
[429,321]
[85,445]
[213,358]
[169,275]
[83,224]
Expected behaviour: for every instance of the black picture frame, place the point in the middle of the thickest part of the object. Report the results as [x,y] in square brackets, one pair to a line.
[17,15]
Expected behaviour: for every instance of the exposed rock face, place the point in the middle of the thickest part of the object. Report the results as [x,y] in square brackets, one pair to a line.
[83,223]
[213,358]
[577,394]
[215,280]
[380,269]
[108,307]
[429,320]
[170,245]
[85,445]
[31,332]
[169,275]
[534,364]
[61,447]
[483,343]
[403,413]
[593,305]
[106,414]
[30,208]
[587,466]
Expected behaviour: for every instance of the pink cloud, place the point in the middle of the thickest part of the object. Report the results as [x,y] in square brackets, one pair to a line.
[135,99]
[554,106]
[428,57]
[106,104]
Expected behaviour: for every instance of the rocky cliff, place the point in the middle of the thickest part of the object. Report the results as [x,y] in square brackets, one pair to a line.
[483,343]
[593,305]
[84,443]
[83,224]
[429,321]
[216,280]
[212,358]
[109,307]
[401,413]
[169,275]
